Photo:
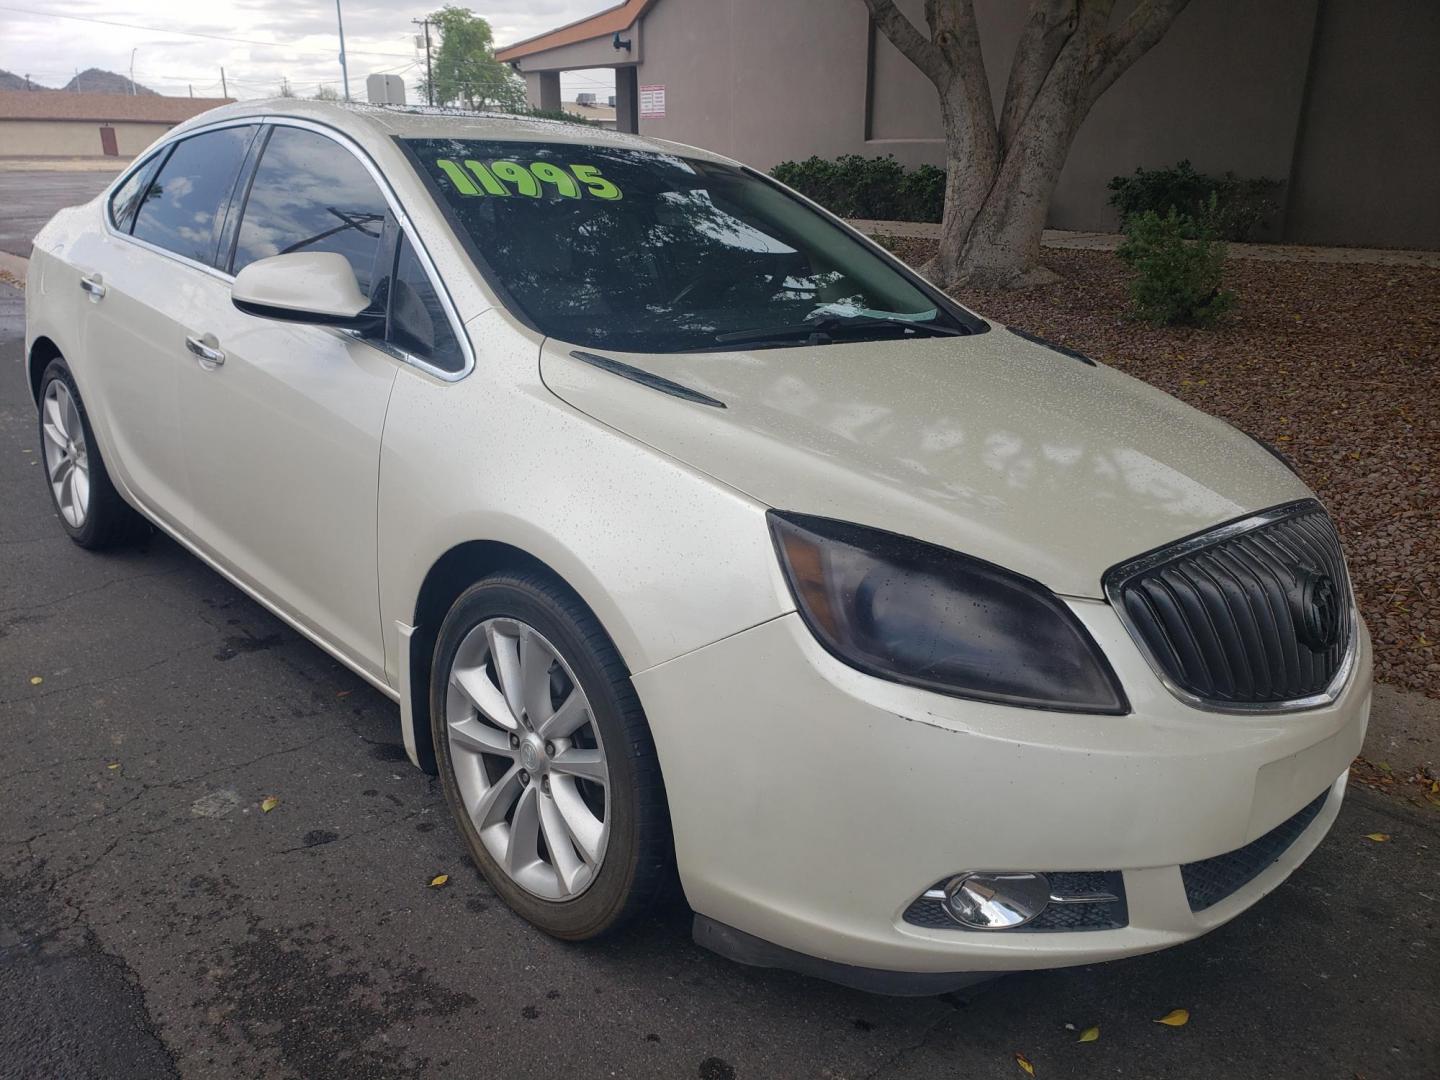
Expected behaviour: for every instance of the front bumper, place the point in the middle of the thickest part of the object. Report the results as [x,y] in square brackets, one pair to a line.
[812,803]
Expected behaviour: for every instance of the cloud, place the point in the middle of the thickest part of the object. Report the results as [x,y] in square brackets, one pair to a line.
[378,37]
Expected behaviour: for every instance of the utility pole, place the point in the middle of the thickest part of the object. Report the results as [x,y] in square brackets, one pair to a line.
[224,91]
[429,71]
[344,71]
[132,72]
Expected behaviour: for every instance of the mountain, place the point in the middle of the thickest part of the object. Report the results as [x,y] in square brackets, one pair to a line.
[10,81]
[96,81]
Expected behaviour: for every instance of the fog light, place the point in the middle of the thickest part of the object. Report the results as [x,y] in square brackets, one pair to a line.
[996,901]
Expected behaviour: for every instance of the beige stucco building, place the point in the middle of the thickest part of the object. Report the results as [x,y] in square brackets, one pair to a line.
[57,123]
[1339,98]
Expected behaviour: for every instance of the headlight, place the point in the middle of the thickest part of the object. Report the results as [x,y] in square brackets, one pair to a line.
[915,613]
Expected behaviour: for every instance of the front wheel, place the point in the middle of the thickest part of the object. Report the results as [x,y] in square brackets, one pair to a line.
[546,759]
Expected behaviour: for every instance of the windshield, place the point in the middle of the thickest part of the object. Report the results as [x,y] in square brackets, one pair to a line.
[641,251]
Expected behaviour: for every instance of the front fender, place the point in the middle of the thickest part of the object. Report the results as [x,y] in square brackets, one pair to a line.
[669,559]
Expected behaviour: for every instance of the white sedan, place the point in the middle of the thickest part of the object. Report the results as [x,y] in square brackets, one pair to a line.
[695,534]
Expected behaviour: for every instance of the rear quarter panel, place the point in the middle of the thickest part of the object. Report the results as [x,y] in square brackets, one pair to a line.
[52,287]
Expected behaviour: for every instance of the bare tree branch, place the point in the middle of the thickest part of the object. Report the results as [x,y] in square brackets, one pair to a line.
[956,34]
[1128,42]
[917,48]
[1049,26]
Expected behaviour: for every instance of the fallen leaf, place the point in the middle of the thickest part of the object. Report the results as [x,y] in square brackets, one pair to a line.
[1175,1018]
[36,680]
[1024,1063]
[343,693]
[439,880]
[1090,1034]
[1378,837]
[113,765]
[269,803]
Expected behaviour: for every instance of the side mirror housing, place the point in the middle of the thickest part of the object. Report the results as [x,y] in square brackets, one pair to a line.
[315,287]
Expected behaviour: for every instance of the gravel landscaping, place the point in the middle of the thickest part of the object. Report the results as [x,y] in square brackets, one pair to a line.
[1337,365]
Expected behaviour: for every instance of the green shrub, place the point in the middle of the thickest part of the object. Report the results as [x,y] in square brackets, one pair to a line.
[1234,207]
[922,195]
[1177,262]
[559,114]
[853,186]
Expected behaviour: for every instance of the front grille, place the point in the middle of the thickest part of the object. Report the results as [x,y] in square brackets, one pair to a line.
[929,911]
[1253,614]
[1212,880]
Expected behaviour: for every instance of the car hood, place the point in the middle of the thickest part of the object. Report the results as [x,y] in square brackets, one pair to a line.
[988,444]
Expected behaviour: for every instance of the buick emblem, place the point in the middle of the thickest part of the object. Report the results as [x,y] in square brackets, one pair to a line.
[1318,620]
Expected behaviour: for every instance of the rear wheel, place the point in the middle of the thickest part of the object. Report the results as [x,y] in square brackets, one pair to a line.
[90,508]
[546,759]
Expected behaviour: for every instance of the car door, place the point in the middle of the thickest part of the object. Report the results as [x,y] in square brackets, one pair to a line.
[282,421]
[144,277]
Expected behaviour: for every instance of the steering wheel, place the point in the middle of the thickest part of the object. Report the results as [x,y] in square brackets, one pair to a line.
[690,287]
[771,280]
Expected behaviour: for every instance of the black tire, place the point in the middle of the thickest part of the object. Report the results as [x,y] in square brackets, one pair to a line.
[637,866]
[109,521]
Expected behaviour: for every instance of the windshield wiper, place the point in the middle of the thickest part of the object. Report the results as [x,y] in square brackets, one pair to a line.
[823,330]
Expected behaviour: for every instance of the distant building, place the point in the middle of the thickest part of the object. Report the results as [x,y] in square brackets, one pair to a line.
[1338,98]
[58,123]
[587,105]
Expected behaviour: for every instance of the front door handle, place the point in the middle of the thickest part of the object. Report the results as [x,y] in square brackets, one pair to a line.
[93,285]
[204,349]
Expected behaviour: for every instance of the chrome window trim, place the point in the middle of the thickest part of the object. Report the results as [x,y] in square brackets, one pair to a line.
[1116,577]
[138,165]
[402,219]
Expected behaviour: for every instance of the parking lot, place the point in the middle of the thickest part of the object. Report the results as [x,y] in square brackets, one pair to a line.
[30,198]
[155,922]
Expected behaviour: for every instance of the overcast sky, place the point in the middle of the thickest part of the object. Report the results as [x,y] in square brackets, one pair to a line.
[378,37]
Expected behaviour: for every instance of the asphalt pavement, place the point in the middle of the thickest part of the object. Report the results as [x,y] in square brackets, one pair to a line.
[155,922]
[29,198]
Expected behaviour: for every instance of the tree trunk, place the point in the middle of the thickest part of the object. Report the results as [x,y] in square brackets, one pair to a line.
[999,178]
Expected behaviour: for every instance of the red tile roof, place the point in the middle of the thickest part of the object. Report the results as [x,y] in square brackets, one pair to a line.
[102,108]
[610,21]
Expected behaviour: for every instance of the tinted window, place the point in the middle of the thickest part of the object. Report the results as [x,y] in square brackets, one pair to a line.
[126,199]
[183,207]
[311,194]
[634,249]
[418,323]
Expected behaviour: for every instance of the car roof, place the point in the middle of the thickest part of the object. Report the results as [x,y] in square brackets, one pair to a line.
[365,122]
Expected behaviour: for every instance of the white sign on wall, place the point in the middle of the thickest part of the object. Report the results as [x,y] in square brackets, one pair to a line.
[652,101]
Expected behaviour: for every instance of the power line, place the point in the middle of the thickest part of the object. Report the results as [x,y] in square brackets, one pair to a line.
[181,33]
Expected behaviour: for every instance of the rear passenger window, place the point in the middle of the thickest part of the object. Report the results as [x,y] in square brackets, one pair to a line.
[418,323]
[183,208]
[311,194]
[126,199]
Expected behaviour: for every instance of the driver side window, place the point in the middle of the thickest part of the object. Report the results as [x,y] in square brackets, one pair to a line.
[311,194]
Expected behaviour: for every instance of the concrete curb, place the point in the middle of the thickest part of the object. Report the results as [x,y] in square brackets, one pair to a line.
[1099,241]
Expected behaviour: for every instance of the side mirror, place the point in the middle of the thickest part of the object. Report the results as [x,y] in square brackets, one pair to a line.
[306,287]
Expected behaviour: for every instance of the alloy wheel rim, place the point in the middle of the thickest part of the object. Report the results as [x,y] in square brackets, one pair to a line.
[67,457]
[528,759]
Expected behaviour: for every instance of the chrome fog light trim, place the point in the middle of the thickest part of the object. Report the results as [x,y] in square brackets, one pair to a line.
[996,901]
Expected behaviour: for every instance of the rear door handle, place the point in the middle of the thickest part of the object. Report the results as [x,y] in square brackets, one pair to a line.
[205,350]
[93,285]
